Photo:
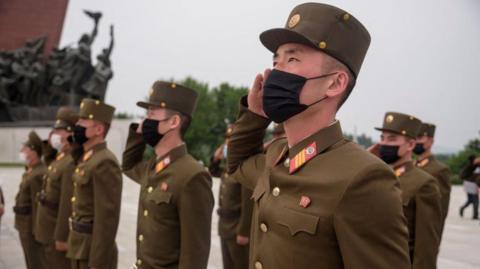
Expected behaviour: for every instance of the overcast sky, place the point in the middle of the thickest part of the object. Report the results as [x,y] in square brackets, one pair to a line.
[423,60]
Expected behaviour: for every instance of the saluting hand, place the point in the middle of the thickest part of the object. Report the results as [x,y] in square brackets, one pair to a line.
[139,128]
[219,153]
[255,95]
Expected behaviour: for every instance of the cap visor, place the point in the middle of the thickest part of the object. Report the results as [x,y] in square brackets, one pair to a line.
[146,105]
[274,38]
[60,126]
[392,131]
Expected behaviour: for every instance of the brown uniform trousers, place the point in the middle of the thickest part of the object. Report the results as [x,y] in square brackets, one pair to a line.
[25,212]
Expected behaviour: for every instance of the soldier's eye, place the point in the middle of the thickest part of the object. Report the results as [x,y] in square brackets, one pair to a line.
[291,59]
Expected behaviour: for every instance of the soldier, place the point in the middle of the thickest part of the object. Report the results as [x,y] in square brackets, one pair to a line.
[319,200]
[420,191]
[97,191]
[54,206]
[25,202]
[176,201]
[430,164]
[235,212]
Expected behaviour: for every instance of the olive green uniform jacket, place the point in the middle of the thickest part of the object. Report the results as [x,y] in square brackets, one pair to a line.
[440,172]
[25,213]
[175,207]
[97,191]
[54,208]
[54,204]
[235,205]
[26,197]
[421,204]
[324,202]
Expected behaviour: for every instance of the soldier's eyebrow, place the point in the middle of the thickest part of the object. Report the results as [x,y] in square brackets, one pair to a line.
[293,50]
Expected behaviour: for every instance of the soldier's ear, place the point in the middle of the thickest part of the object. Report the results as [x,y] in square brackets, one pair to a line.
[100,129]
[338,84]
[411,143]
[176,121]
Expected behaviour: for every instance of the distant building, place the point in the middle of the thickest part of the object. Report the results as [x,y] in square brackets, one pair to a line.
[22,20]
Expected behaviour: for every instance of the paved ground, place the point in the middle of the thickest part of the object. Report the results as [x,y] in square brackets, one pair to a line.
[459,249]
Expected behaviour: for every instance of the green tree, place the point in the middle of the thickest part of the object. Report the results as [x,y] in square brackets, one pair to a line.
[459,160]
[216,108]
[363,139]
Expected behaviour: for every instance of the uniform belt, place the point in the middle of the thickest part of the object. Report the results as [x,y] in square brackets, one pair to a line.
[143,266]
[46,203]
[80,227]
[42,199]
[22,210]
[228,213]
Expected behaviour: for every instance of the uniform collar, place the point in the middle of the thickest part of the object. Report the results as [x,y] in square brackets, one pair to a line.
[60,156]
[424,162]
[173,155]
[87,155]
[403,168]
[30,169]
[308,148]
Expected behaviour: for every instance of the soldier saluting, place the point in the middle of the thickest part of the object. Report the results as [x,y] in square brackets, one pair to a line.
[176,201]
[319,200]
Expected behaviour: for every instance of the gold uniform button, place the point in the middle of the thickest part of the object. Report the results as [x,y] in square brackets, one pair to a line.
[263,227]
[73,199]
[286,163]
[145,213]
[90,116]
[140,238]
[150,189]
[74,184]
[346,16]
[139,262]
[50,168]
[276,191]
[77,170]
[258,265]
[322,45]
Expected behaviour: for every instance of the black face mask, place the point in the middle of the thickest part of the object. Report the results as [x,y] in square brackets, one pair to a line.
[389,154]
[419,149]
[281,95]
[150,131]
[79,135]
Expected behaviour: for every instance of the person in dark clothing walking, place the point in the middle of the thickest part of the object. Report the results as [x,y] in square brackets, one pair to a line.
[470,186]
